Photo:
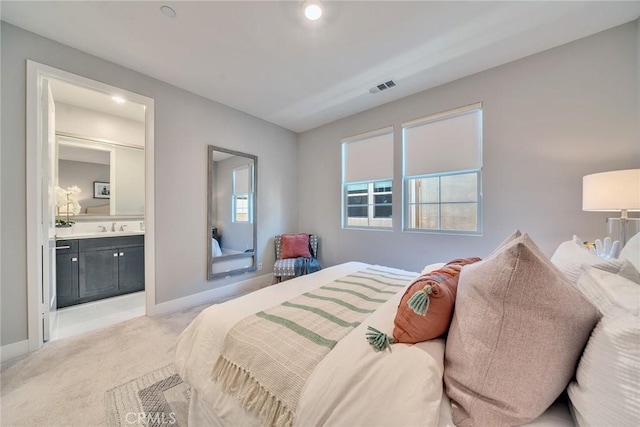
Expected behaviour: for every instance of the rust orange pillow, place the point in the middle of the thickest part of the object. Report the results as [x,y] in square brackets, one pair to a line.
[431,316]
[295,246]
[411,327]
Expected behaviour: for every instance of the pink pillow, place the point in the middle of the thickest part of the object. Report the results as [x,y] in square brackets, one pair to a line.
[517,334]
[295,245]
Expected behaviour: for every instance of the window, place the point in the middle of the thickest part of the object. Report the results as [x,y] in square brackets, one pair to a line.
[242,194]
[241,203]
[369,204]
[367,171]
[442,172]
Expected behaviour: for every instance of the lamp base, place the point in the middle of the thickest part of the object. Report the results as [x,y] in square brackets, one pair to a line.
[623,229]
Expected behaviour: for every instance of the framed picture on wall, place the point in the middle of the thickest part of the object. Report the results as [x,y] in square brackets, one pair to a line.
[101,190]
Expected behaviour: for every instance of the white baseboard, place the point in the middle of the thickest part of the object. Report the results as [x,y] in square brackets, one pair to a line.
[212,295]
[10,351]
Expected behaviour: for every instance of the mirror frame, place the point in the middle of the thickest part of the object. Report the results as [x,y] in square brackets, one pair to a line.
[210,213]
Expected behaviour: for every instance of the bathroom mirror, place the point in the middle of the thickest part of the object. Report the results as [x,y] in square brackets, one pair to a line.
[110,176]
[232,212]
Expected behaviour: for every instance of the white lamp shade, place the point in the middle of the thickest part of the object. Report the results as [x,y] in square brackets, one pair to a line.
[613,191]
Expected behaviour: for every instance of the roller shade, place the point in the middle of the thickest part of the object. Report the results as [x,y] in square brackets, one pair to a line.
[369,158]
[242,180]
[447,142]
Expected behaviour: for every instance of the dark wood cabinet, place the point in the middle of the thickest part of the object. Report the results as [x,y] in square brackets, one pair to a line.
[131,269]
[97,268]
[66,273]
[98,273]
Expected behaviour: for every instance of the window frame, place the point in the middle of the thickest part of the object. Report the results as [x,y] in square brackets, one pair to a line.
[236,196]
[370,205]
[407,211]
[387,130]
[450,114]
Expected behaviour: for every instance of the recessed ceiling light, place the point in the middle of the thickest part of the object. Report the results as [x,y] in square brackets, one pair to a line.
[312,10]
[119,99]
[168,11]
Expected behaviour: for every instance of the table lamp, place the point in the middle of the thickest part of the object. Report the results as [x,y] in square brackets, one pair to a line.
[615,191]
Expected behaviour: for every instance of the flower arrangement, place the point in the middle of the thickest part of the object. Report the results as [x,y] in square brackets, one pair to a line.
[66,199]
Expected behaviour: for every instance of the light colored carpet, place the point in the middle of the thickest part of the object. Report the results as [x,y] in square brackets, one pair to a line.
[64,383]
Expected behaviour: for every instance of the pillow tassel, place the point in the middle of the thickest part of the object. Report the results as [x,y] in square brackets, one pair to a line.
[378,340]
[419,302]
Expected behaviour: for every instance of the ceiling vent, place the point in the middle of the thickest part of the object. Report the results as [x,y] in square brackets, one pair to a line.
[382,86]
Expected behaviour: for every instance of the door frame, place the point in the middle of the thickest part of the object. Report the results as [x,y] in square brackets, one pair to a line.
[36,72]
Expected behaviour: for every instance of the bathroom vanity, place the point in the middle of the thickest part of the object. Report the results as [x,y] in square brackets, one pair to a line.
[90,268]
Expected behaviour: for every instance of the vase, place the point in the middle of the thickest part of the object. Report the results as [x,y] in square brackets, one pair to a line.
[64,230]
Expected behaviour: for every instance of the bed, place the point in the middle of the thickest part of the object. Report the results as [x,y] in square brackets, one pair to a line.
[351,386]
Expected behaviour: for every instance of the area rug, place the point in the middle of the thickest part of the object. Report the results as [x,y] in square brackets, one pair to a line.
[159,398]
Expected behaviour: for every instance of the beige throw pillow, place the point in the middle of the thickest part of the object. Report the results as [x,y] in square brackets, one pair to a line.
[517,334]
[510,238]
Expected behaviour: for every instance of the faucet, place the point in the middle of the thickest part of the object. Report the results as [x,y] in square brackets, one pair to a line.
[122,227]
[113,226]
[102,228]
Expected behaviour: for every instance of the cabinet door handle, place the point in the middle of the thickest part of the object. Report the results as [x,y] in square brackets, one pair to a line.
[74,259]
[121,253]
[115,254]
[63,247]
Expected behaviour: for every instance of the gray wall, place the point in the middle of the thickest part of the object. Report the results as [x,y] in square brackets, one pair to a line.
[185,124]
[83,174]
[549,119]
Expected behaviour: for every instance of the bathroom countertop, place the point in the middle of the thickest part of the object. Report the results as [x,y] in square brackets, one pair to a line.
[99,234]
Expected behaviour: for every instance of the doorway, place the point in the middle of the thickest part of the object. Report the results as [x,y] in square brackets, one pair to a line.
[52,224]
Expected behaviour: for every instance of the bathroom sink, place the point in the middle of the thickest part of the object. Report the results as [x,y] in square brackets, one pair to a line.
[99,234]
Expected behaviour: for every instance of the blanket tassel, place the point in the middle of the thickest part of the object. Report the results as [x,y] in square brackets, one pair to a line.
[378,340]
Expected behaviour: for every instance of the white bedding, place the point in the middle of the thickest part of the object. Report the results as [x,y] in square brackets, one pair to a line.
[353,385]
[215,248]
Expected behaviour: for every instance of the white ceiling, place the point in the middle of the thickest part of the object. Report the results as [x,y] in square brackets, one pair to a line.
[263,58]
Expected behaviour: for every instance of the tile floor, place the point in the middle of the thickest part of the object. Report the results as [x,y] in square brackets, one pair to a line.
[86,317]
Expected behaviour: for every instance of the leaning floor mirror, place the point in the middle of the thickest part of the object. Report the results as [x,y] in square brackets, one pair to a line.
[232,212]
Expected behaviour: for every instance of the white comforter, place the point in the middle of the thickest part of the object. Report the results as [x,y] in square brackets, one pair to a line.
[353,385]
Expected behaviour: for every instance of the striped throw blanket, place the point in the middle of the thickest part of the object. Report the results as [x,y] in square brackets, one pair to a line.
[267,357]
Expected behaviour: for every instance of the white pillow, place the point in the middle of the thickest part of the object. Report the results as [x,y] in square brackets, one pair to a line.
[624,269]
[572,255]
[606,391]
[631,251]
[432,267]
[608,290]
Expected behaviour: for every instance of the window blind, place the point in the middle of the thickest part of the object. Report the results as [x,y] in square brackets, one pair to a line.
[450,141]
[241,179]
[368,157]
